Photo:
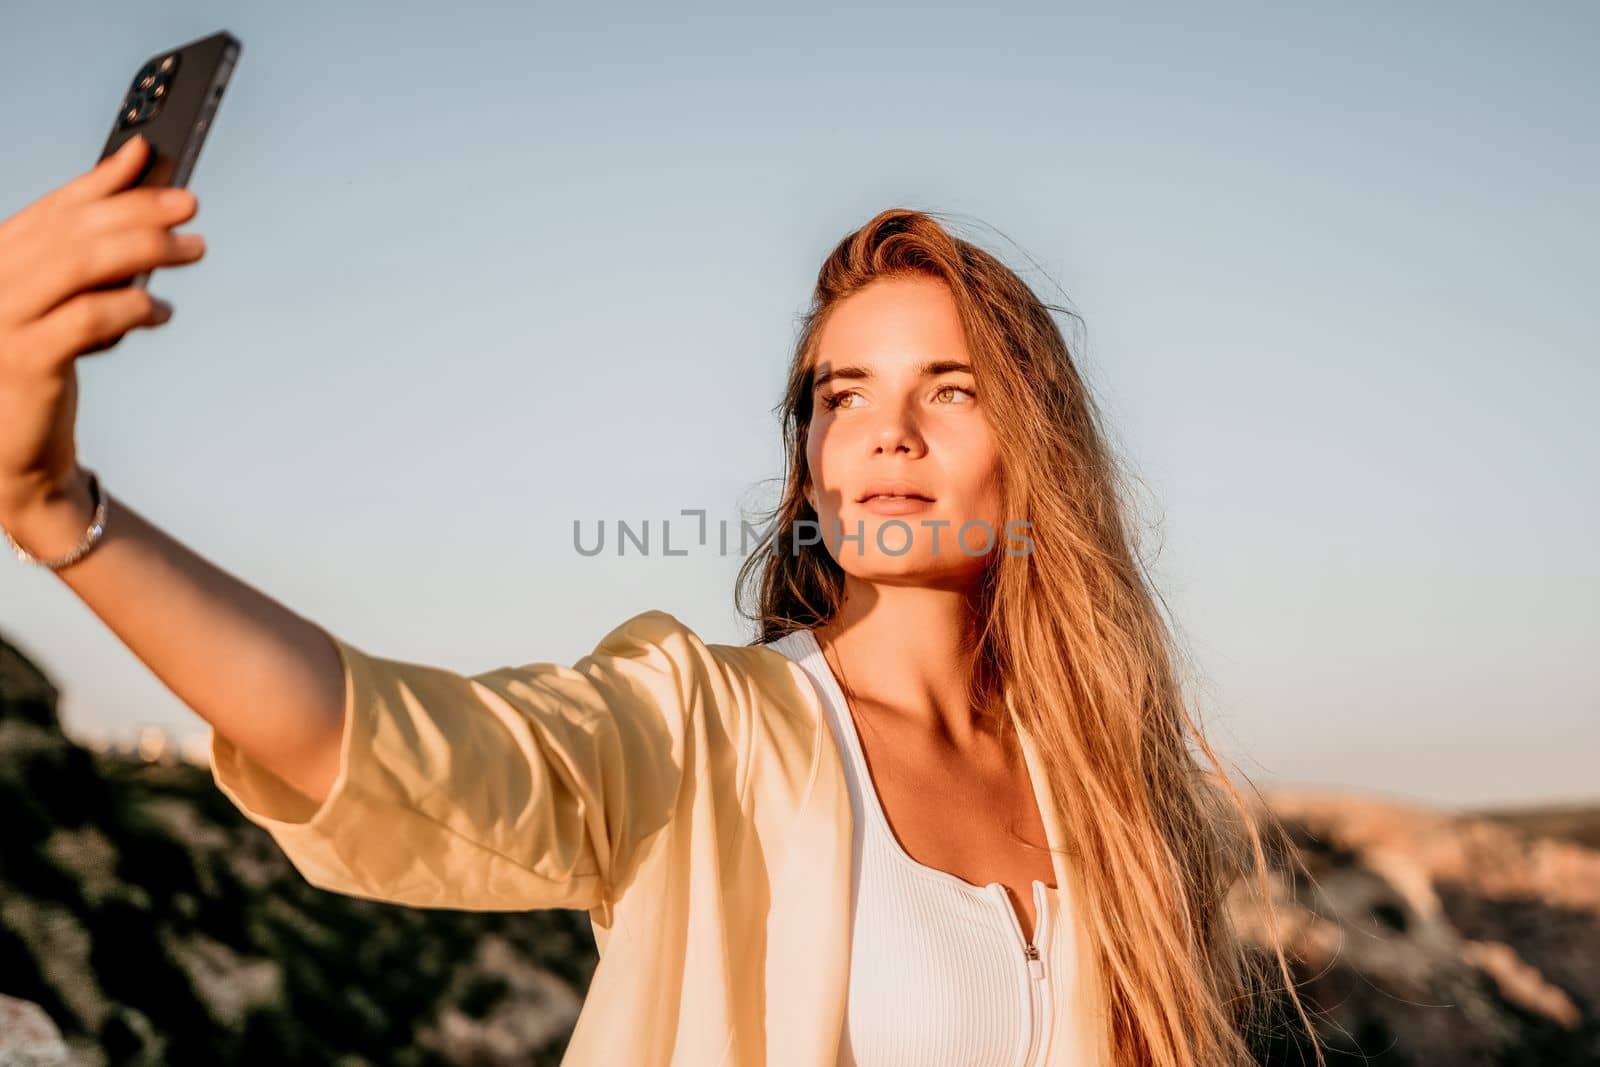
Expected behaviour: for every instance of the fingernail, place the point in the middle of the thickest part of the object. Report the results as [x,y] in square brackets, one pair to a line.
[160,310]
[127,146]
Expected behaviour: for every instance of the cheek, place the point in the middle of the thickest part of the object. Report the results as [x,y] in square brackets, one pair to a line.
[816,469]
[976,469]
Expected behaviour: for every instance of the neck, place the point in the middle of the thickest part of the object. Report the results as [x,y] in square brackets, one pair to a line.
[907,651]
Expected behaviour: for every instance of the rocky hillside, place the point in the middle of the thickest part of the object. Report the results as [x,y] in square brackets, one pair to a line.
[152,925]
[143,921]
[1431,937]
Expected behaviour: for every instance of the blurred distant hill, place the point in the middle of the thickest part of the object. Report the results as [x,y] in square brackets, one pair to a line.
[1578,823]
[144,921]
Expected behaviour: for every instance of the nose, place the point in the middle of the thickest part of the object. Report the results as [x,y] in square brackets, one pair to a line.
[898,433]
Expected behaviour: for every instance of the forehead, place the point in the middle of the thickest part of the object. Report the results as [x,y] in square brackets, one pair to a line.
[893,322]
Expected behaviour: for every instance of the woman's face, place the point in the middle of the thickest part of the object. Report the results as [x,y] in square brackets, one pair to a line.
[895,405]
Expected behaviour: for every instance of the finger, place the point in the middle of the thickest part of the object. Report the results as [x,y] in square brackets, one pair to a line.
[91,322]
[116,171]
[93,263]
[165,206]
[20,274]
[110,174]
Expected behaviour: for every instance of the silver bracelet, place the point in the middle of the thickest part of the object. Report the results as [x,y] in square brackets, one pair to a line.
[91,536]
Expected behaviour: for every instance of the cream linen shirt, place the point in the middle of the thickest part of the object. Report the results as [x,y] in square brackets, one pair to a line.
[689,796]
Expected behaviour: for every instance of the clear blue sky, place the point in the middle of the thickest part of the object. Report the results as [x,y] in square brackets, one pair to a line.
[477,271]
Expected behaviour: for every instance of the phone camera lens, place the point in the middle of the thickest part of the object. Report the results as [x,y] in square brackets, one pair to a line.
[165,65]
[150,88]
[138,108]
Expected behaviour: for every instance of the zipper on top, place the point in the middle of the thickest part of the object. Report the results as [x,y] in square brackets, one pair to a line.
[1034,960]
[1030,951]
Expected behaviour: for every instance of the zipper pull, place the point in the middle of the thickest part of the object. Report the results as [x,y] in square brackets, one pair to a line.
[1035,964]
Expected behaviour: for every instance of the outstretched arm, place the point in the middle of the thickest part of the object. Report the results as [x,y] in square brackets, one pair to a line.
[266,678]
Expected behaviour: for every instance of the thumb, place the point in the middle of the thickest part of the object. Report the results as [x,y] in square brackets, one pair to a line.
[116,171]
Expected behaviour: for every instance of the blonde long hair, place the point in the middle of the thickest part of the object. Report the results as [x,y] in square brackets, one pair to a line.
[1071,631]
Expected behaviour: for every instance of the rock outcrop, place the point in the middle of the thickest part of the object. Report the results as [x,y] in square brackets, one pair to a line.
[1433,937]
[148,923]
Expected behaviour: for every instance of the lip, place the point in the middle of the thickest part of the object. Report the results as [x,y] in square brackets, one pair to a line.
[895,488]
[880,505]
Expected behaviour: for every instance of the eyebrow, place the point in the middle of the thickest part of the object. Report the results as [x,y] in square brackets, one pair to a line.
[931,369]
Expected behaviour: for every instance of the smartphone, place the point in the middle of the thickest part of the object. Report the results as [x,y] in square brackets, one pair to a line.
[172,101]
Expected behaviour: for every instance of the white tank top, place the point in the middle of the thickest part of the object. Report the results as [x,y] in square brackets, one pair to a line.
[940,973]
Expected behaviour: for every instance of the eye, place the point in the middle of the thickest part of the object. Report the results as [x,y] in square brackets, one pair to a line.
[833,400]
[943,389]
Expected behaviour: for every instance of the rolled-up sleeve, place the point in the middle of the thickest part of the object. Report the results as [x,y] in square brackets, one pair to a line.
[520,787]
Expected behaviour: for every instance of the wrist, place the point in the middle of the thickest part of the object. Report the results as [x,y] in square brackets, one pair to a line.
[51,521]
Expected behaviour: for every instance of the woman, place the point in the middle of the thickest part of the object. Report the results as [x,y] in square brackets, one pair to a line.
[944,810]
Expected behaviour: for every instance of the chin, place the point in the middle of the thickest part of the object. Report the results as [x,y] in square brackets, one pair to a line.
[919,566]
[866,559]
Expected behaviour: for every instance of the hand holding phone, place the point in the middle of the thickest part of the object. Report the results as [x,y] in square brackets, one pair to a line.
[67,260]
[171,103]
